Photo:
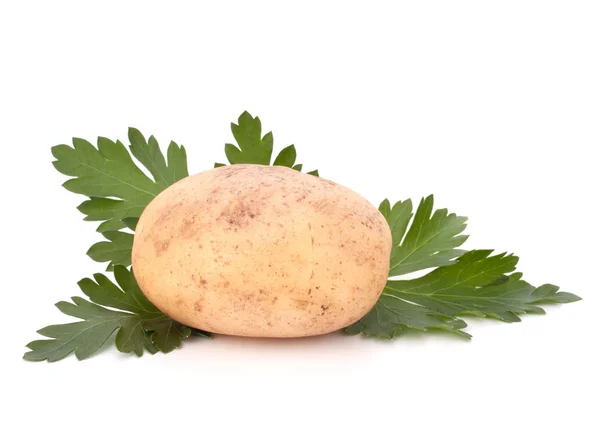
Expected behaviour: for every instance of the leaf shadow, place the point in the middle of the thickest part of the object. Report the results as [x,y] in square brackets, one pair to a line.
[280,343]
[430,334]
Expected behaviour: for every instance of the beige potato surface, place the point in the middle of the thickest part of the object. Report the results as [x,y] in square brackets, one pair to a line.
[261,251]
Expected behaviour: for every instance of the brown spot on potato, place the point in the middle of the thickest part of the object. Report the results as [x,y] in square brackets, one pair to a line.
[302,196]
[161,246]
[198,305]
[301,303]
[188,228]
[239,213]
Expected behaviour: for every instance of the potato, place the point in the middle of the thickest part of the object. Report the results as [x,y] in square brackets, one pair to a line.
[260,251]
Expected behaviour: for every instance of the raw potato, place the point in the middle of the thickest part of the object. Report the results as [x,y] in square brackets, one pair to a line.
[261,251]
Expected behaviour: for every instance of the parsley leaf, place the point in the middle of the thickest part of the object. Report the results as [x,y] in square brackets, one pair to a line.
[465,283]
[131,223]
[431,240]
[254,148]
[287,157]
[117,187]
[149,154]
[477,284]
[139,324]
[393,315]
[117,250]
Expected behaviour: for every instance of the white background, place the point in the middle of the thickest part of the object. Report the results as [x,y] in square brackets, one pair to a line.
[492,106]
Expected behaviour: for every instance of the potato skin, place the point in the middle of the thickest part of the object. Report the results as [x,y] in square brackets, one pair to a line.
[259,251]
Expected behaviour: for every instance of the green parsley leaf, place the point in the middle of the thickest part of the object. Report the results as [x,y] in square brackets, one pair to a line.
[110,211]
[149,154]
[257,149]
[127,296]
[117,187]
[287,157]
[117,250]
[253,148]
[548,293]
[431,240]
[392,316]
[167,333]
[139,324]
[477,284]
[130,223]
[83,337]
